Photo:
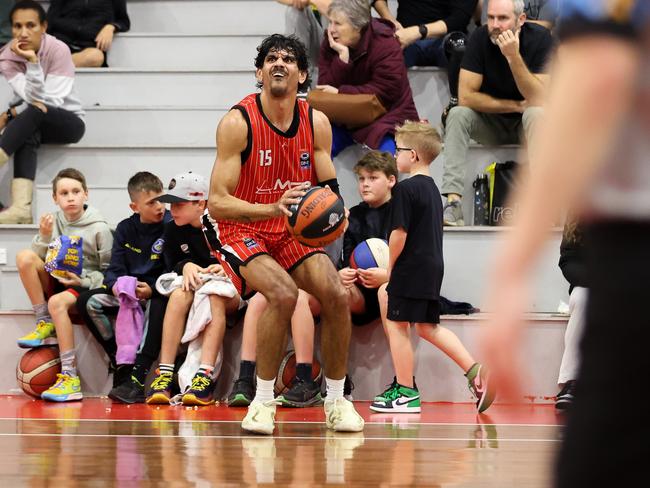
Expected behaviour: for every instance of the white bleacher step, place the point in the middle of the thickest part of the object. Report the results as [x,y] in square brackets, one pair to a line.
[439,379]
[179,51]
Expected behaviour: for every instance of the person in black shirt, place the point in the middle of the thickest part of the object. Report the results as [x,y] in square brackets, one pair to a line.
[137,251]
[187,253]
[376,175]
[500,91]
[415,273]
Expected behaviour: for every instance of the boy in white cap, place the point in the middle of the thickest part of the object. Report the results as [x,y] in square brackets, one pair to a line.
[187,253]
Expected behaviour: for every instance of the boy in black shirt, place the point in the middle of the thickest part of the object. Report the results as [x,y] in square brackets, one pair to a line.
[376,175]
[415,273]
[187,253]
[137,251]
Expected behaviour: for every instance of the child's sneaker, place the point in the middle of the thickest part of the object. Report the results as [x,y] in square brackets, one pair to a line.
[129,391]
[242,393]
[565,398]
[340,416]
[477,380]
[385,392]
[398,399]
[301,394]
[260,417]
[200,392]
[66,389]
[160,391]
[44,335]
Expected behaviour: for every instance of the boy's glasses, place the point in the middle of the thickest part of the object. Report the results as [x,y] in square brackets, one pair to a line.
[398,149]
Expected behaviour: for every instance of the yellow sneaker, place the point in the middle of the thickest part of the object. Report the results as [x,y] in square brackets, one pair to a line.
[66,389]
[44,335]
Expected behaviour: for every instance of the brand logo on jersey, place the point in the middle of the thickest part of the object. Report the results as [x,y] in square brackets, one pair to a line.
[157,247]
[305,160]
[250,243]
[185,248]
[278,187]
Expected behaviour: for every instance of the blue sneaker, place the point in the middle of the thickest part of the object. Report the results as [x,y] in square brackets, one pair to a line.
[44,335]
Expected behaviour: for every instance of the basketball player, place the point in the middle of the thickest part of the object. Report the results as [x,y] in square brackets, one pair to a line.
[271,146]
[594,152]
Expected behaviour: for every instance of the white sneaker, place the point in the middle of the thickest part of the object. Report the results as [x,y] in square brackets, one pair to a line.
[260,417]
[341,416]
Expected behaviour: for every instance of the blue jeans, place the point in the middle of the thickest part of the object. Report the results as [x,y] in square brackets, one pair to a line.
[342,138]
[427,52]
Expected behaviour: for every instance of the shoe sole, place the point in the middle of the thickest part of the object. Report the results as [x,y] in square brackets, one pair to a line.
[157,399]
[190,399]
[458,223]
[486,400]
[72,397]
[51,341]
[257,429]
[239,401]
[347,427]
[130,401]
[316,401]
[403,409]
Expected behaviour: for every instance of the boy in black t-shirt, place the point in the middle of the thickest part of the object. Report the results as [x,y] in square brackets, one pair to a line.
[376,175]
[415,273]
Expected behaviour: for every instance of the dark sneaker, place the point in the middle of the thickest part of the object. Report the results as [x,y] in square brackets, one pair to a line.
[565,398]
[301,394]
[452,214]
[348,386]
[160,391]
[242,393]
[201,391]
[121,374]
[479,385]
[453,102]
[130,391]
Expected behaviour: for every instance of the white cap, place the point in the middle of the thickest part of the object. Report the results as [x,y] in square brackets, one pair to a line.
[186,187]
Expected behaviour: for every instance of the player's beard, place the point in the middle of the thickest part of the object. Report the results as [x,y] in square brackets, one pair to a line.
[279,90]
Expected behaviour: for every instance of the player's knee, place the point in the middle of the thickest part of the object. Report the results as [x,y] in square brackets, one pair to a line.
[283,295]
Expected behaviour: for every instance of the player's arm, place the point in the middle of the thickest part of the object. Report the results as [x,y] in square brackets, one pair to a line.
[396,243]
[232,137]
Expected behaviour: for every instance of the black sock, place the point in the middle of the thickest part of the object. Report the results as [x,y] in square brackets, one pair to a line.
[139,373]
[247,370]
[303,371]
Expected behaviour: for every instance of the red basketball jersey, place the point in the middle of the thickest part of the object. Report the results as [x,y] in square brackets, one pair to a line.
[274,161]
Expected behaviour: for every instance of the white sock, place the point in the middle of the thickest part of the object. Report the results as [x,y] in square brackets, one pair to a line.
[264,391]
[334,388]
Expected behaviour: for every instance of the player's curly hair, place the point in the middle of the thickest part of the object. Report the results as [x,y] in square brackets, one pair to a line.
[291,44]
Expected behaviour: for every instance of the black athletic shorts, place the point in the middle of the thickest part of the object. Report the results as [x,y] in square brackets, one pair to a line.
[403,309]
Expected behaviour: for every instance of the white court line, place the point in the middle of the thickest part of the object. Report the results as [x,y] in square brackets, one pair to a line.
[302,438]
[277,422]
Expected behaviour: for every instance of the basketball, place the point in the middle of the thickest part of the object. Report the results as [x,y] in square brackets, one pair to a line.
[287,373]
[371,253]
[318,219]
[37,369]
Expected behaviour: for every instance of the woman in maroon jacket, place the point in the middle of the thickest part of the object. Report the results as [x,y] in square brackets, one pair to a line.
[361,55]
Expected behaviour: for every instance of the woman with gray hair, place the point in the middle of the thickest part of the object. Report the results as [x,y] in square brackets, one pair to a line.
[361,56]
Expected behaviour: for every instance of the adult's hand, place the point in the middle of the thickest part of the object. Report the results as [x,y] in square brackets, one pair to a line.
[508,43]
[407,36]
[104,38]
[291,197]
[342,50]
[28,54]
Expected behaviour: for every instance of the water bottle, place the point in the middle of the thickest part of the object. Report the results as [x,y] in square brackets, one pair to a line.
[481,200]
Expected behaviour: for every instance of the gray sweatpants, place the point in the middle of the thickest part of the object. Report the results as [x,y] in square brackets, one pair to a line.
[464,124]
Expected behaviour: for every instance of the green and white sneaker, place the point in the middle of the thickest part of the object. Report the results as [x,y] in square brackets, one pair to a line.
[44,335]
[398,399]
[381,396]
[479,385]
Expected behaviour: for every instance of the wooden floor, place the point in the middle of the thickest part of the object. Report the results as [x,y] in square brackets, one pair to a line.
[97,443]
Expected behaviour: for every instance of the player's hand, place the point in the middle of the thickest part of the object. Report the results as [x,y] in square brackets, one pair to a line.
[28,54]
[191,278]
[70,279]
[407,36]
[508,42]
[45,225]
[215,269]
[104,38]
[522,105]
[342,50]
[373,277]
[143,291]
[291,197]
[348,276]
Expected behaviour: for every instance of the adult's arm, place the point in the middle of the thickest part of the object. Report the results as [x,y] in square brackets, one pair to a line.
[323,164]
[469,95]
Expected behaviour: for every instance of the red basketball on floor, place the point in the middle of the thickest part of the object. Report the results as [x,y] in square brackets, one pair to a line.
[37,369]
[287,373]
[318,219]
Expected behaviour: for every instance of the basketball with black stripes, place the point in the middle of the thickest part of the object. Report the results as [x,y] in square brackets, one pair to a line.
[318,219]
[37,369]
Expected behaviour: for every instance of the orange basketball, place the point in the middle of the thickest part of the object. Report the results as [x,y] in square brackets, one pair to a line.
[37,369]
[318,219]
[287,373]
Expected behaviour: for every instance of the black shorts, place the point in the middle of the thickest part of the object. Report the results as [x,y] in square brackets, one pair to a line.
[414,310]
[372,306]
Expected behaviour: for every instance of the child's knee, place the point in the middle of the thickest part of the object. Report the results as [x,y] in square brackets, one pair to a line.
[424,329]
[180,297]
[59,303]
[26,258]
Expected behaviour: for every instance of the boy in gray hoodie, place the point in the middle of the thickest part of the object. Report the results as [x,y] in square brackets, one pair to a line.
[75,218]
